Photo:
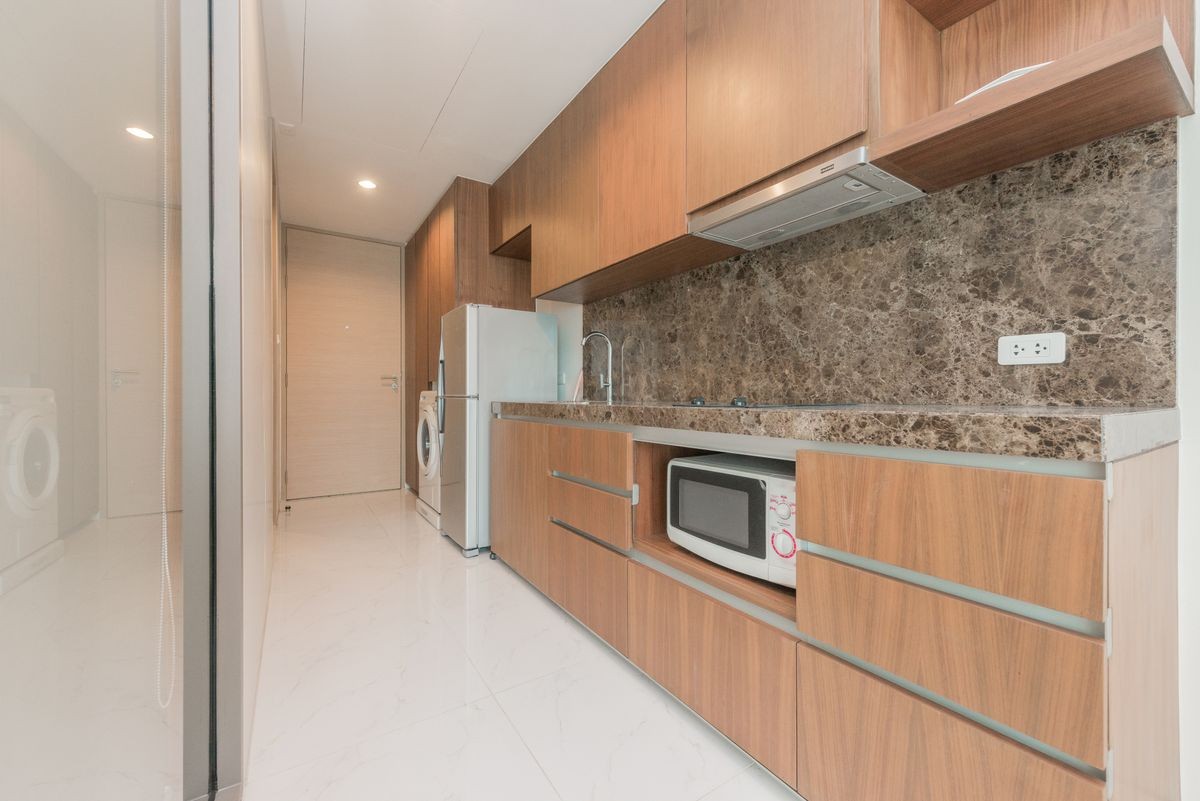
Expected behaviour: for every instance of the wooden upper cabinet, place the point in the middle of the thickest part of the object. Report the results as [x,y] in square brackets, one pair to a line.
[642,96]
[509,210]
[770,83]
[565,215]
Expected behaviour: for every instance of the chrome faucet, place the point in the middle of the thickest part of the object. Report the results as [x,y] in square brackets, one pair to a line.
[606,378]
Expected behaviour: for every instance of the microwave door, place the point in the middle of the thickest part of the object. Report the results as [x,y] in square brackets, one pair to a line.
[722,508]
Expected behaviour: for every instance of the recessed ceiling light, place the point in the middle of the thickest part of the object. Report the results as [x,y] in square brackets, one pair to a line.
[367,183]
[140,133]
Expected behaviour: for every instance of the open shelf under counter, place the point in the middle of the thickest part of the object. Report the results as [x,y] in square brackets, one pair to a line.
[774,598]
[1133,78]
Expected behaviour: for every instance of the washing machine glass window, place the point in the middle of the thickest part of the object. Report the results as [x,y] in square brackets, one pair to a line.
[33,469]
[427,447]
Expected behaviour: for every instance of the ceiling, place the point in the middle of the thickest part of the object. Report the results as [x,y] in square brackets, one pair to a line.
[78,74]
[411,93]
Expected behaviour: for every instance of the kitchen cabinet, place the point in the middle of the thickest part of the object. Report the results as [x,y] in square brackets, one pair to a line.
[519,521]
[509,208]
[1034,537]
[770,83]
[565,216]
[1044,681]
[591,583]
[594,455]
[642,93]
[447,264]
[863,739]
[736,672]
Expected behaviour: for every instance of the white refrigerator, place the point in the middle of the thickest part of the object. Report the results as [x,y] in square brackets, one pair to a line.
[488,355]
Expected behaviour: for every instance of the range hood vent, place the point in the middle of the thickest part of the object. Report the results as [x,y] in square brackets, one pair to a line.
[839,190]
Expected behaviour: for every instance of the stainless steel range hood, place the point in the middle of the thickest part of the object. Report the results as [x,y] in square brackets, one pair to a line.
[839,190]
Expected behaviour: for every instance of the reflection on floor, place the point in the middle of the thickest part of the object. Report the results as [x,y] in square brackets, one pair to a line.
[77,673]
[396,669]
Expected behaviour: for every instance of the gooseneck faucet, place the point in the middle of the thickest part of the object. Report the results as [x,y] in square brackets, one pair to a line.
[606,378]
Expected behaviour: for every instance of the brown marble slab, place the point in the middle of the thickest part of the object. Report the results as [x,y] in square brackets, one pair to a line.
[1072,433]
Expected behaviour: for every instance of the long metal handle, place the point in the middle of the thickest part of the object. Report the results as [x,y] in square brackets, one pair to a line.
[394,379]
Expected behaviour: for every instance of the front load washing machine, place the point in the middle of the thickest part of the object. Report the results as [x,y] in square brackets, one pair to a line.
[429,459]
[29,464]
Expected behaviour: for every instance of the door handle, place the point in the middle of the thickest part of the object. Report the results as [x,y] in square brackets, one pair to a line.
[118,381]
[394,379]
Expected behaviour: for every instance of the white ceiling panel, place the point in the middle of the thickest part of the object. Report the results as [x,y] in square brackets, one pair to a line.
[414,92]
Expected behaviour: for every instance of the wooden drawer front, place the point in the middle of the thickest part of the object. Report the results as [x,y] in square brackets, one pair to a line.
[1037,679]
[1029,536]
[733,670]
[862,739]
[603,457]
[608,596]
[605,516]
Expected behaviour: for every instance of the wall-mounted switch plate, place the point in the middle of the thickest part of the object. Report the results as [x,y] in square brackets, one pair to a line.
[1032,349]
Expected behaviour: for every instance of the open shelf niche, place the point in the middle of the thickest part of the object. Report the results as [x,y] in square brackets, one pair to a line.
[650,535]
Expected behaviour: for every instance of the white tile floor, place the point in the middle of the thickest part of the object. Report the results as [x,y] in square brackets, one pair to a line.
[396,669]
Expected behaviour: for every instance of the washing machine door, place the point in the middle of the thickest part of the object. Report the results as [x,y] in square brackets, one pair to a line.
[33,461]
[428,451]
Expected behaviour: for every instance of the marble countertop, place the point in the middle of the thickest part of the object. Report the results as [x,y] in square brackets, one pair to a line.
[1086,434]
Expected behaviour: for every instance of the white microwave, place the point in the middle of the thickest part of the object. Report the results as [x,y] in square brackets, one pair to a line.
[736,511]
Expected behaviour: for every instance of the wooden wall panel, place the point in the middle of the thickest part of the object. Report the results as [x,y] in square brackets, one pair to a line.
[1144,669]
[862,739]
[1039,680]
[750,110]
[642,92]
[1008,34]
[1034,537]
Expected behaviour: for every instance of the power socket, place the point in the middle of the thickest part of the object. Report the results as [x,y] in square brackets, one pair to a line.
[1032,349]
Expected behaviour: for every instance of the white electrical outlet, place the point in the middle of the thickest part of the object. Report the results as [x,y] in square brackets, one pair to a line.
[1032,349]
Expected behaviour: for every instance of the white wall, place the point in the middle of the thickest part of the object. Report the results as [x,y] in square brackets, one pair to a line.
[258,454]
[49,301]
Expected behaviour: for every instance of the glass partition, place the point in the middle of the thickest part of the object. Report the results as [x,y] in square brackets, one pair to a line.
[90,401]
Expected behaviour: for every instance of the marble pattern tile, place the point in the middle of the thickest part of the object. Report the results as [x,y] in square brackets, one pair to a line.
[905,306]
[1100,434]
[395,668]
[603,731]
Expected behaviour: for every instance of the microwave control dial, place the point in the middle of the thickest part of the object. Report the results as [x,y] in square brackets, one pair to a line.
[783,511]
[784,543]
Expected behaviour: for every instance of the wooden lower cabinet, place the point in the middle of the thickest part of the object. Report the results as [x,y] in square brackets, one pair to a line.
[591,582]
[519,520]
[863,739]
[738,673]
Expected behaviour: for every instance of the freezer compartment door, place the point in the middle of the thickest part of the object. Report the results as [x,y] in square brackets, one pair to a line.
[459,472]
[519,355]
[459,352]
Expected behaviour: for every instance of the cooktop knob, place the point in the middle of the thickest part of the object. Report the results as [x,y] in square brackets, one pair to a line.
[739,401]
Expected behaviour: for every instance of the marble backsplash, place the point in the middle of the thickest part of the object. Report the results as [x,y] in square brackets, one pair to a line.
[905,306]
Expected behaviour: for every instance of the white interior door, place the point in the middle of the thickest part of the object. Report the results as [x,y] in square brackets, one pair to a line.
[134,248]
[344,306]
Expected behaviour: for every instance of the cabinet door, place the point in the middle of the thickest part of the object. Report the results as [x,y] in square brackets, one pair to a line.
[770,83]
[608,596]
[508,203]
[566,217]
[862,739]
[568,575]
[736,672]
[642,115]
[519,523]
[440,289]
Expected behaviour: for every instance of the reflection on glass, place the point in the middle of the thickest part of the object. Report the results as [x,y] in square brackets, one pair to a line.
[90,705]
